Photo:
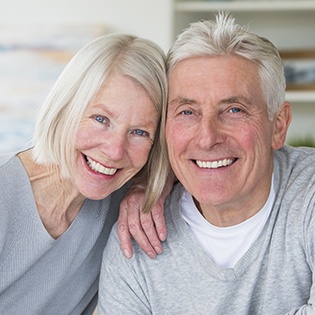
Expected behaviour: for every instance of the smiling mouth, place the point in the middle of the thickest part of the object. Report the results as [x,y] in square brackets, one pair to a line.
[99,168]
[215,164]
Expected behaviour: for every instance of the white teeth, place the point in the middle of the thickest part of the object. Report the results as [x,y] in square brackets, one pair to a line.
[97,167]
[214,164]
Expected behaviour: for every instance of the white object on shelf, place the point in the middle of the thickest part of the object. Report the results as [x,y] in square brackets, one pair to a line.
[301,97]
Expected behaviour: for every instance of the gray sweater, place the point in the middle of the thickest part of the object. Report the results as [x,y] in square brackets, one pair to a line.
[274,277]
[41,275]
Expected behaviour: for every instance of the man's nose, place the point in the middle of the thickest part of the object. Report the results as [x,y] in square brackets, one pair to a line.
[211,132]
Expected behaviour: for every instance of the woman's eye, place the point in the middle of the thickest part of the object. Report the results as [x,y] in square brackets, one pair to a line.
[141,133]
[186,112]
[100,119]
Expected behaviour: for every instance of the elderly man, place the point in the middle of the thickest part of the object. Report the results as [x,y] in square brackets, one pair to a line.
[240,222]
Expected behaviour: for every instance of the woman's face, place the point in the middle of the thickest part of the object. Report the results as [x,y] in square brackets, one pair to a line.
[114,137]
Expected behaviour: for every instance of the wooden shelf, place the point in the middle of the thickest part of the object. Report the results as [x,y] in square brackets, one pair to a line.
[245,6]
[187,11]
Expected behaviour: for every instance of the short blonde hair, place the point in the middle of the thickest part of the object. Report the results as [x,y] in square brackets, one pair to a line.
[141,60]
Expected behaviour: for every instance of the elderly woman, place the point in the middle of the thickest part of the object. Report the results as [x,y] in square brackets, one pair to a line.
[97,129]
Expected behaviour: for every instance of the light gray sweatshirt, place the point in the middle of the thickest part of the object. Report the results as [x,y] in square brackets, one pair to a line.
[40,275]
[274,277]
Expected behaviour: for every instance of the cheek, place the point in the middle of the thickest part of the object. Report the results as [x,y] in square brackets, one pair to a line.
[85,135]
[177,138]
[176,144]
[139,155]
[256,139]
[79,139]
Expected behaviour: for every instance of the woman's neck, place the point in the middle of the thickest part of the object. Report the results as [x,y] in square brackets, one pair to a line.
[58,201]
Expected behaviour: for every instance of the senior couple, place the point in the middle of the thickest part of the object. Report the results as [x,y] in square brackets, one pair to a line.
[239,218]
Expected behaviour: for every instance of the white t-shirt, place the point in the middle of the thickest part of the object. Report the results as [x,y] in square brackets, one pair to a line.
[225,245]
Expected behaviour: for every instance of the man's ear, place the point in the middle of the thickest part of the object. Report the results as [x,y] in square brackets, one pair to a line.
[281,123]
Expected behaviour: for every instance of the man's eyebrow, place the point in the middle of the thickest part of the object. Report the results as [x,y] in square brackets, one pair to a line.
[229,100]
[182,101]
[236,99]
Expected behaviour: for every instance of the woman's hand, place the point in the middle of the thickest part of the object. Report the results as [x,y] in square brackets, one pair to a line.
[148,229]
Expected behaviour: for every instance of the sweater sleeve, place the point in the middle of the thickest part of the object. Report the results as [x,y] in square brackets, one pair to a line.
[308,232]
[120,289]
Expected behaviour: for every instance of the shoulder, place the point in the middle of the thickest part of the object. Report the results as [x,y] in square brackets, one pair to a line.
[6,158]
[10,161]
[295,156]
[177,233]
[293,165]
[173,201]
[12,172]
[294,177]
[113,253]
[112,250]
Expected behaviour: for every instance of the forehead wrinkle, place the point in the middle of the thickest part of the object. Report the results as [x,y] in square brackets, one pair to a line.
[230,100]
[104,109]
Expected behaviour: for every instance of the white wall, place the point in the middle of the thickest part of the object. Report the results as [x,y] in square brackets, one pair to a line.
[151,19]
[146,18]
[36,21]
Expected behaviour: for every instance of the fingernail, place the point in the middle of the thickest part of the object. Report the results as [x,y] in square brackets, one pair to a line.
[127,253]
[158,250]
[162,237]
[151,255]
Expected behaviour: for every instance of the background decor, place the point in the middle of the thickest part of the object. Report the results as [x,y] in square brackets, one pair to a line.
[299,66]
[306,141]
[31,59]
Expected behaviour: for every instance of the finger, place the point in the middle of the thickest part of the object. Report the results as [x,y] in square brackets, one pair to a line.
[149,229]
[130,224]
[159,220]
[138,233]
[123,232]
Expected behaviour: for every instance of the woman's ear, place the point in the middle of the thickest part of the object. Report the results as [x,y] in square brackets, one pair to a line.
[281,123]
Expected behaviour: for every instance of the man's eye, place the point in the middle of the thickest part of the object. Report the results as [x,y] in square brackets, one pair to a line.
[235,110]
[141,133]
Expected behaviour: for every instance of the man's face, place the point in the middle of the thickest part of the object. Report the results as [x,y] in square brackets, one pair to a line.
[218,134]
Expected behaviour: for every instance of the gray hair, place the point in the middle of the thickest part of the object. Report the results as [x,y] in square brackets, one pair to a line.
[140,59]
[224,36]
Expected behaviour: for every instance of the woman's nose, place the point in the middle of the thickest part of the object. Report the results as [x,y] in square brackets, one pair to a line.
[115,146]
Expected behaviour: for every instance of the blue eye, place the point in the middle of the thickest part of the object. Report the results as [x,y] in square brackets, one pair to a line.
[186,112]
[141,133]
[100,119]
[235,110]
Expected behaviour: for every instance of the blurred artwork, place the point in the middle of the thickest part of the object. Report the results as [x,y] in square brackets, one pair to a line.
[30,62]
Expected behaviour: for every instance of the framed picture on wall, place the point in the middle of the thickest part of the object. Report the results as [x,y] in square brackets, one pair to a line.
[299,69]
